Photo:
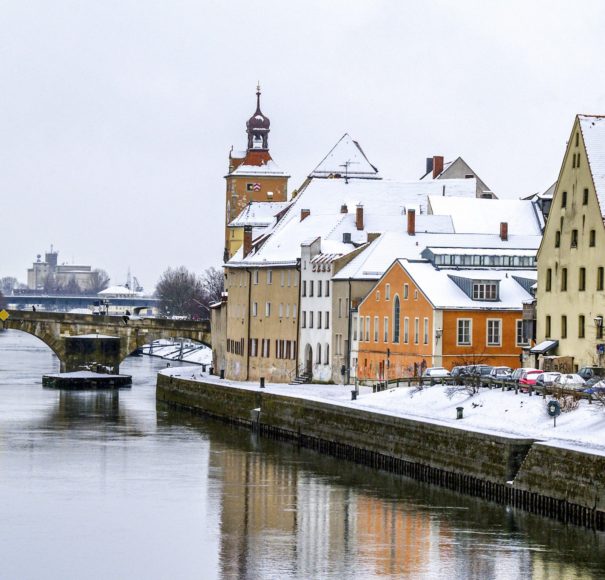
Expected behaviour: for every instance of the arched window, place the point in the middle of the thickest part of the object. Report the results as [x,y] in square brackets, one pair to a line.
[318,354]
[327,354]
[396,317]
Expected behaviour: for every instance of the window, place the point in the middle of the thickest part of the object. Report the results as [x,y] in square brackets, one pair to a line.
[318,354]
[327,288]
[269,277]
[265,348]
[377,295]
[327,319]
[319,319]
[563,199]
[267,309]
[557,239]
[255,277]
[289,278]
[282,278]
[564,326]
[375,328]
[281,310]
[254,308]
[600,278]
[387,292]
[521,340]
[319,284]
[464,332]
[415,294]
[485,291]
[406,290]
[310,318]
[327,354]
[416,329]
[581,326]
[367,329]
[287,311]
[547,327]
[355,325]
[585,197]
[548,280]
[599,328]
[426,331]
[340,308]
[493,332]
[304,288]
[396,319]
[406,330]
[254,347]
[563,279]
[385,321]
[592,239]
[582,280]
[574,238]
[310,287]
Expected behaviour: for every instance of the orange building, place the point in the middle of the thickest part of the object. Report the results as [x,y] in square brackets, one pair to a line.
[418,316]
[253,177]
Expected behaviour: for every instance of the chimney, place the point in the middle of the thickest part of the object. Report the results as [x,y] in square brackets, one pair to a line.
[437,165]
[304,213]
[359,217]
[247,240]
[504,231]
[411,222]
[429,165]
[344,208]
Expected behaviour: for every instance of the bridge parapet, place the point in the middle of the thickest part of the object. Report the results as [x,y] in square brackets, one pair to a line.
[54,327]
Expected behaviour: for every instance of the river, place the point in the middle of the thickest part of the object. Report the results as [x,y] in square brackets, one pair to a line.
[104,485]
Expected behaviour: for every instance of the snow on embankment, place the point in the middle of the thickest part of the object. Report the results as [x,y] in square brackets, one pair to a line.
[186,351]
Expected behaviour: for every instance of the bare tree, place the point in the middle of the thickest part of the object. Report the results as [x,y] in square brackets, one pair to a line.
[8,284]
[99,281]
[181,293]
[72,288]
[2,301]
[213,281]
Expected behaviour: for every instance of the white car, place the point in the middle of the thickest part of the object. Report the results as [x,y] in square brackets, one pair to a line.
[436,372]
[569,381]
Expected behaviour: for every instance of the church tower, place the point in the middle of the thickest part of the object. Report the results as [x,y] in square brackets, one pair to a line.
[253,177]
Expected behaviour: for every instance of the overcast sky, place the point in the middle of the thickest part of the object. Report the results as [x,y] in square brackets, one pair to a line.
[116,117]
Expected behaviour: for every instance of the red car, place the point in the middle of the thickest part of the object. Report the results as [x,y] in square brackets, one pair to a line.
[528,379]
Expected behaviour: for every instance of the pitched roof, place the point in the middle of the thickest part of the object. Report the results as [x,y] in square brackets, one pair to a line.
[477,215]
[346,158]
[593,134]
[259,214]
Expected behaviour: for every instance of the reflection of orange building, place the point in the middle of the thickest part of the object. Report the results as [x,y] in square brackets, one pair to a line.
[419,316]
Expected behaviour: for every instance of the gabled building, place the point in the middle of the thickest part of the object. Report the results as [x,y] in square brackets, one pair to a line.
[421,315]
[437,168]
[253,177]
[571,267]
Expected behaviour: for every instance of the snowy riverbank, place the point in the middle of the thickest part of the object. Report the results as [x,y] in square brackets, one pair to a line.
[184,351]
[490,410]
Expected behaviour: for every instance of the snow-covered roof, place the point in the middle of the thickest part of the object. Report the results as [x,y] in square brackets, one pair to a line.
[477,215]
[237,154]
[443,292]
[593,134]
[268,168]
[346,158]
[384,206]
[119,291]
[390,246]
[484,251]
[259,214]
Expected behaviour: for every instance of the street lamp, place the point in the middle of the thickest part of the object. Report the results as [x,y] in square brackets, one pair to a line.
[598,321]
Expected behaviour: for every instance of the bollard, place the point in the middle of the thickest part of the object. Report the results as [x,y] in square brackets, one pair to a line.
[353,395]
[211,371]
[459,411]
[222,373]
[262,382]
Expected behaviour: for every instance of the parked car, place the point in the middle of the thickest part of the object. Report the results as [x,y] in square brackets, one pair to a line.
[500,373]
[595,388]
[436,373]
[569,381]
[589,372]
[517,373]
[528,379]
[592,380]
[459,372]
[546,379]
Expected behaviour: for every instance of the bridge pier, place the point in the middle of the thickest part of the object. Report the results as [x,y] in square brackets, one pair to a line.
[93,352]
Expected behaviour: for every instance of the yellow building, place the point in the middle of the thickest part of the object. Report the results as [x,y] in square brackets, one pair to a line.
[571,292]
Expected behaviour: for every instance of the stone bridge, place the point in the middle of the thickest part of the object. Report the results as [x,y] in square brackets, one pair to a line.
[83,340]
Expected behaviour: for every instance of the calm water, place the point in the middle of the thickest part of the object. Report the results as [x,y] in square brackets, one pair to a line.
[103,485]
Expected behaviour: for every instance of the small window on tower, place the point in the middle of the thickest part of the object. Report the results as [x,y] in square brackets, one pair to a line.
[270,194]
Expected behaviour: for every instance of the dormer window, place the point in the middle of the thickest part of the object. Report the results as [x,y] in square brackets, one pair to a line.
[485,290]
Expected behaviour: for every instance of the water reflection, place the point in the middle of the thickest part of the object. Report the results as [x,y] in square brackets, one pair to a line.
[290,513]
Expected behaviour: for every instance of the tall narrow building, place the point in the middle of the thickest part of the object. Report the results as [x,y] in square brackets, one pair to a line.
[253,177]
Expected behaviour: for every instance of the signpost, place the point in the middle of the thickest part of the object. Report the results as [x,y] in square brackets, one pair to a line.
[554,410]
[3,315]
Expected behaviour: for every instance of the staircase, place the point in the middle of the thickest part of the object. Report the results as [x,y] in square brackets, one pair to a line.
[301,378]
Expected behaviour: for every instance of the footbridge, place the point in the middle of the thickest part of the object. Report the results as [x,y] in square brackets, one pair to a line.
[83,341]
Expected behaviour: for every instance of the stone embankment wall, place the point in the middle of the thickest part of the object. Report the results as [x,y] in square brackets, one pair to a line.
[546,480]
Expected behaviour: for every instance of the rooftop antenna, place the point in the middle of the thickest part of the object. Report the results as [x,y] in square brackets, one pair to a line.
[346,166]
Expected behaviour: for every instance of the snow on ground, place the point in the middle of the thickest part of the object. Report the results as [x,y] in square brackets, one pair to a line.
[489,411]
[189,352]
[84,375]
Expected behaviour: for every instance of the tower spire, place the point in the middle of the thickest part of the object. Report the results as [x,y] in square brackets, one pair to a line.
[257,126]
